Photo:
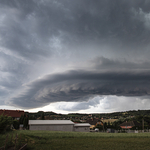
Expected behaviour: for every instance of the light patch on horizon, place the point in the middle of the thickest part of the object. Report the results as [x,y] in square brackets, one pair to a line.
[105,104]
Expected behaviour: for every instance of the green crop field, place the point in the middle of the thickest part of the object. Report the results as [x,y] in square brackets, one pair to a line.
[51,140]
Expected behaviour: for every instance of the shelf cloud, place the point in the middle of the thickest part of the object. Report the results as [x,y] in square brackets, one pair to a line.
[82,86]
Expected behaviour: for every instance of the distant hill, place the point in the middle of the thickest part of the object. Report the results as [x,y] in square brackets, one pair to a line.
[78,116]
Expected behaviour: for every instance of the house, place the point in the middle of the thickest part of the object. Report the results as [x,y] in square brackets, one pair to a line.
[58,125]
[129,125]
[109,120]
[15,114]
[94,122]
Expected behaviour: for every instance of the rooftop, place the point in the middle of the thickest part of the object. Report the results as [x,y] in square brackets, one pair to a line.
[82,125]
[12,113]
[93,121]
[50,122]
[130,123]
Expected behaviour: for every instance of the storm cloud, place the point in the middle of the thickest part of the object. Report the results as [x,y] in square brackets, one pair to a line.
[73,51]
[82,86]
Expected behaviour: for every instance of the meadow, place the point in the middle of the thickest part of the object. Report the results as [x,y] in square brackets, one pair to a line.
[51,140]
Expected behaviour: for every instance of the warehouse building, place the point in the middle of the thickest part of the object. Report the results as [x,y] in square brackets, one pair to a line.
[82,127]
[58,125]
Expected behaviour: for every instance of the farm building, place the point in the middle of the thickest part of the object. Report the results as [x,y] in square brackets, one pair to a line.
[58,125]
[82,127]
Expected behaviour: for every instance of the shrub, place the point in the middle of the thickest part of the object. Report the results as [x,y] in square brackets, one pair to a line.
[5,123]
[16,124]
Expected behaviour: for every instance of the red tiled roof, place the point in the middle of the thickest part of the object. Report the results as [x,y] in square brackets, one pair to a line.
[130,123]
[93,121]
[12,113]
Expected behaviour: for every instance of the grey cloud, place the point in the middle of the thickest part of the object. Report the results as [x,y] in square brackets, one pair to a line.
[75,106]
[81,86]
[13,71]
[120,64]
[28,26]
[12,64]
[142,16]
[107,104]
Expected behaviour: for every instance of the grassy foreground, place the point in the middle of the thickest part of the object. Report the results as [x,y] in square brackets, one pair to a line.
[51,140]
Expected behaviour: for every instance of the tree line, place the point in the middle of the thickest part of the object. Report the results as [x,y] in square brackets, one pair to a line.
[8,123]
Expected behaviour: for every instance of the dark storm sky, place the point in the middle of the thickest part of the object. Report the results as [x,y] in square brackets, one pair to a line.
[73,51]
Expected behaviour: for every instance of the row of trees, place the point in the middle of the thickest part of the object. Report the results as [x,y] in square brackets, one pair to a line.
[7,122]
[22,121]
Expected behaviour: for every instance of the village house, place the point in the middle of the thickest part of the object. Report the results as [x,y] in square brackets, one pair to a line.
[129,125]
[15,114]
[94,122]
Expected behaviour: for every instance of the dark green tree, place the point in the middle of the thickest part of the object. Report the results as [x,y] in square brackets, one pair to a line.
[42,116]
[116,125]
[105,126]
[21,119]
[16,124]
[25,122]
[108,125]
[5,123]
[100,127]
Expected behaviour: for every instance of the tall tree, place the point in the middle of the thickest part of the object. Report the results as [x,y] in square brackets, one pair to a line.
[25,122]
[5,123]
[42,116]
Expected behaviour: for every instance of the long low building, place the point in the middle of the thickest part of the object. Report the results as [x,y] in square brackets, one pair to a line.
[58,125]
[82,127]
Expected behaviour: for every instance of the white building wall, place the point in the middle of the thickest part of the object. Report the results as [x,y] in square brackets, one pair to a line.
[57,127]
[82,129]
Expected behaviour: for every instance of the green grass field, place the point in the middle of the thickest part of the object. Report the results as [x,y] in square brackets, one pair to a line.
[51,140]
